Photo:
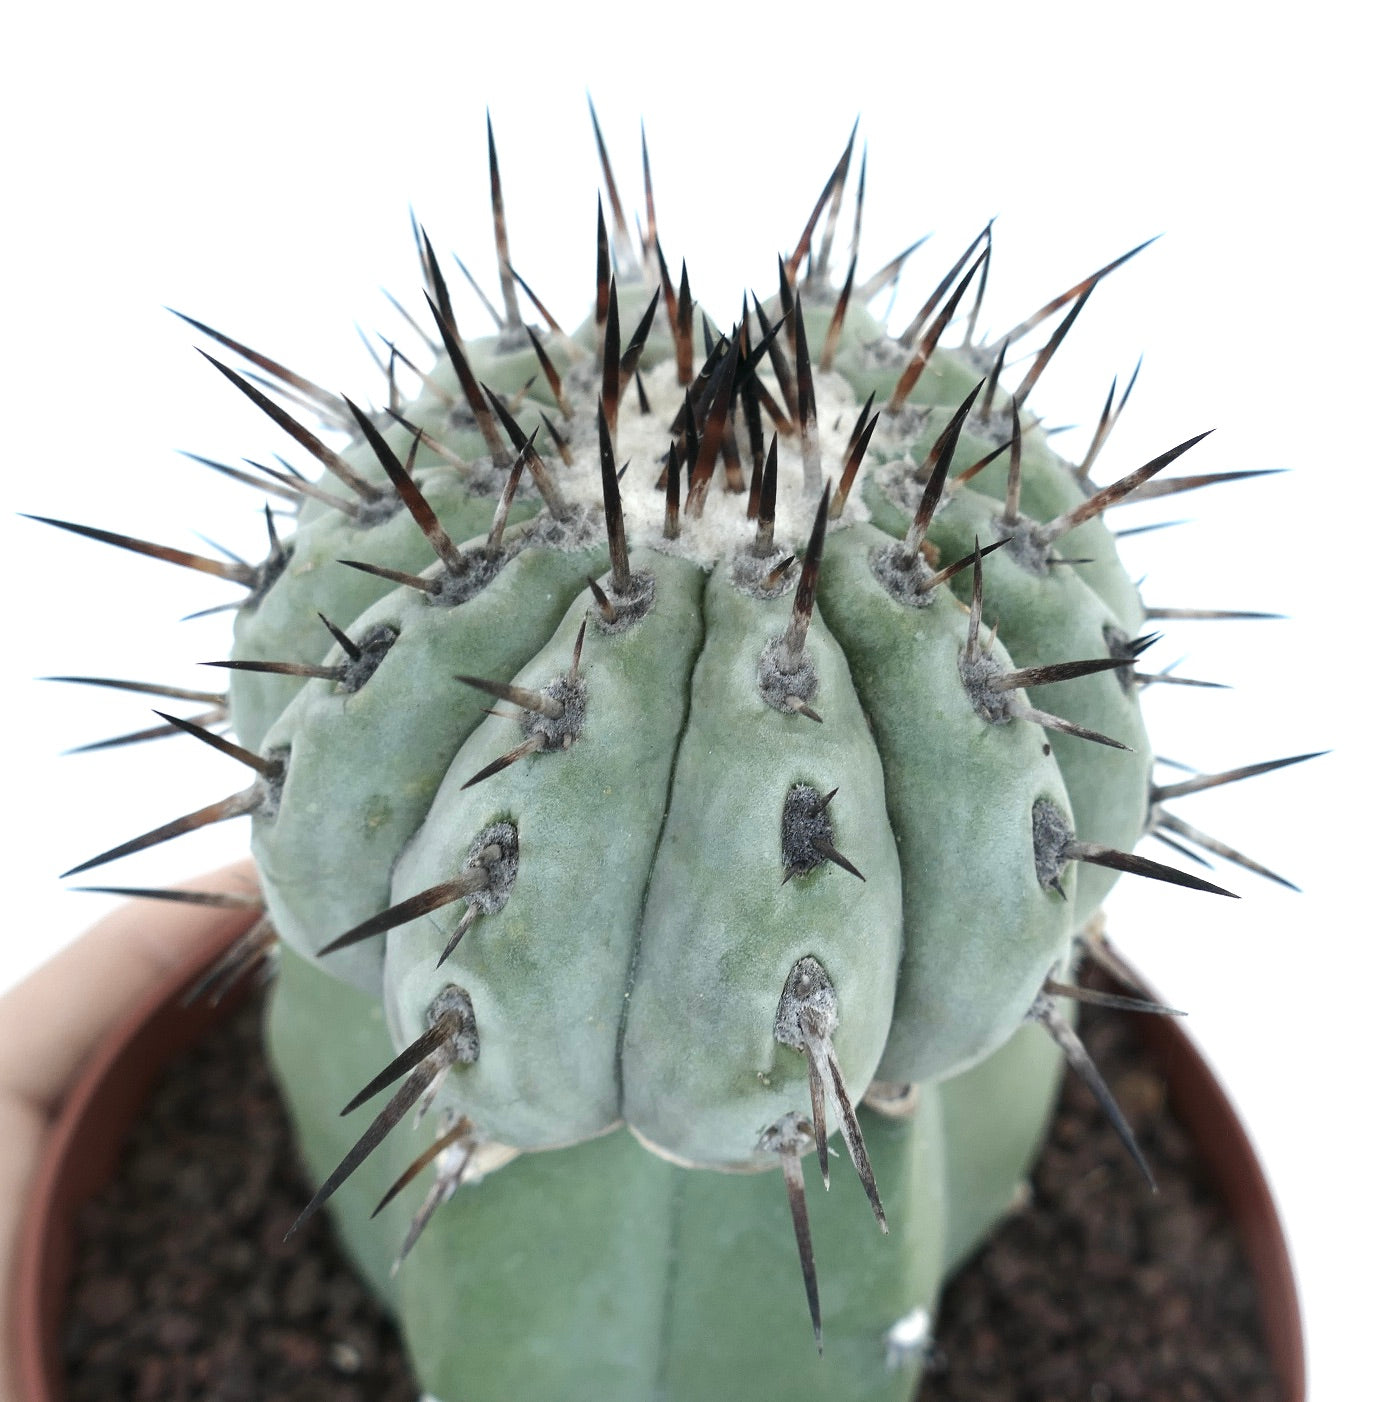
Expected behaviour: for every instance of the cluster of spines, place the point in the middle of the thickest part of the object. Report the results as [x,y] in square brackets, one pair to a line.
[726,388]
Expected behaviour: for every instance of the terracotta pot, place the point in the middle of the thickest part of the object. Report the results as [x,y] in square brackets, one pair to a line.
[107,1098]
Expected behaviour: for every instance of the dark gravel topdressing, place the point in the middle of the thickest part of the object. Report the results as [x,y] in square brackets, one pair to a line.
[1099,1291]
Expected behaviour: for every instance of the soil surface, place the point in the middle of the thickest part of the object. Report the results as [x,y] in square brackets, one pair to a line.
[1098,1291]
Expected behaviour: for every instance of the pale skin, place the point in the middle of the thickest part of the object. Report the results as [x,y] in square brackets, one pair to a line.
[50,1024]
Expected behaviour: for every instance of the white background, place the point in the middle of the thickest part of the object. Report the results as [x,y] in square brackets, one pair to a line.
[253,165]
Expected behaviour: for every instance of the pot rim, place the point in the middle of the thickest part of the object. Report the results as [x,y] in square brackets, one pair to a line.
[88,1133]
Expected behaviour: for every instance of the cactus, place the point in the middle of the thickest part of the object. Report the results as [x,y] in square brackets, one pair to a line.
[649,825]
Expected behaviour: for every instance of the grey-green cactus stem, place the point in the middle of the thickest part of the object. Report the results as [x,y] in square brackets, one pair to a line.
[649,805]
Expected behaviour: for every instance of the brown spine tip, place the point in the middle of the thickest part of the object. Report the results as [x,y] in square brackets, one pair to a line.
[323,400]
[1107,496]
[1159,792]
[627,265]
[915,327]
[629,361]
[458,1132]
[1109,416]
[838,321]
[671,503]
[1040,361]
[915,367]
[1076,290]
[806,597]
[722,390]
[603,277]
[768,500]
[1046,1013]
[832,190]
[470,386]
[235,806]
[614,516]
[497,212]
[238,573]
[943,451]
[788,1137]
[410,494]
[610,365]
[550,373]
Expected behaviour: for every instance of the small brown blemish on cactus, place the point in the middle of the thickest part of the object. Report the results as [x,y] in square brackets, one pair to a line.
[808,1014]
[808,836]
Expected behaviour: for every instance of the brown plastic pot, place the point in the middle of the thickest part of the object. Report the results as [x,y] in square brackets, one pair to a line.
[87,1139]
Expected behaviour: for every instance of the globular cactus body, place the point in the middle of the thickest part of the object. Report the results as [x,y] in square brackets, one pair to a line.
[631,841]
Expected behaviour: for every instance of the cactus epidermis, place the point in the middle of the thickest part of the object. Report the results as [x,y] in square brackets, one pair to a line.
[706,728]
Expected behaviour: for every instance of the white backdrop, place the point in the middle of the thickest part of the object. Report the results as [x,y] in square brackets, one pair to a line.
[255,167]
